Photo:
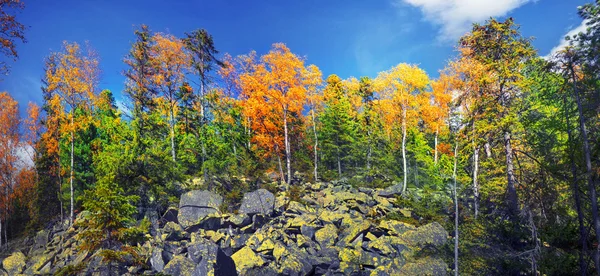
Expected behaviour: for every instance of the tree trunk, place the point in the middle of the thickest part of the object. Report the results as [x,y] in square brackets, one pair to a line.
[204,172]
[590,173]
[475,172]
[435,148]
[312,113]
[455,211]
[369,150]
[488,150]
[58,194]
[513,201]
[339,162]
[172,125]
[577,197]
[72,170]
[475,175]
[288,154]
[404,149]
[281,175]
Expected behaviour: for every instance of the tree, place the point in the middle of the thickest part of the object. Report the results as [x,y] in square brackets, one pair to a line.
[9,159]
[172,62]
[11,31]
[275,93]
[398,87]
[110,222]
[315,100]
[139,86]
[502,50]
[203,61]
[436,107]
[338,129]
[73,76]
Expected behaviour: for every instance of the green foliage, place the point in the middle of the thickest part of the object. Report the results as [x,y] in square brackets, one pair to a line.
[338,128]
[110,215]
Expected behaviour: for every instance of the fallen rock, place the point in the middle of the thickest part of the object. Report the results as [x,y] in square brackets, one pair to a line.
[169,216]
[203,250]
[430,234]
[195,205]
[180,265]
[14,264]
[391,191]
[327,235]
[157,260]
[260,201]
[425,266]
[245,259]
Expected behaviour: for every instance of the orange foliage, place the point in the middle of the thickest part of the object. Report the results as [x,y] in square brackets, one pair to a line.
[274,91]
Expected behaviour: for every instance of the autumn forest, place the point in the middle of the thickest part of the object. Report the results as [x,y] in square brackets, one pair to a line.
[501,148]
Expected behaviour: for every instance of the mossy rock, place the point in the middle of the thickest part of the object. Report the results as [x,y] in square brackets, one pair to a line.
[15,263]
[180,265]
[425,266]
[327,235]
[430,234]
[245,259]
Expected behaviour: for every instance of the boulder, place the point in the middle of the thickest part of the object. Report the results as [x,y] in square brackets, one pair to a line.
[246,259]
[308,231]
[327,235]
[157,261]
[260,201]
[180,265]
[210,222]
[14,264]
[425,266]
[169,216]
[430,234]
[203,250]
[395,227]
[196,205]
[173,232]
[391,191]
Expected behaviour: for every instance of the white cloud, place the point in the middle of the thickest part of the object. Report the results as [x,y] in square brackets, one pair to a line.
[563,42]
[456,16]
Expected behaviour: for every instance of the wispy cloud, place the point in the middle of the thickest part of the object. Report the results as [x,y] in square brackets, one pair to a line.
[456,16]
[563,42]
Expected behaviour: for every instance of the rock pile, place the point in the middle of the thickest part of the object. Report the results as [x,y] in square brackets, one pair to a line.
[335,230]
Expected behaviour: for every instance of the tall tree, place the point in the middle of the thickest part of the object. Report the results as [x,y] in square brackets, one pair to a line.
[73,76]
[338,129]
[9,159]
[315,100]
[398,87]
[502,50]
[172,62]
[275,92]
[138,85]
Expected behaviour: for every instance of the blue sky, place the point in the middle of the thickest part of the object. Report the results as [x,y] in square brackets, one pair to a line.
[348,38]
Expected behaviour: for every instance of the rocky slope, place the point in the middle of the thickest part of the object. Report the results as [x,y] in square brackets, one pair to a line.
[336,230]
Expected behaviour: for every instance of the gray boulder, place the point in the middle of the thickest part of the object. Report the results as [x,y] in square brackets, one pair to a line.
[260,201]
[196,205]
[180,265]
[157,260]
[392,191]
